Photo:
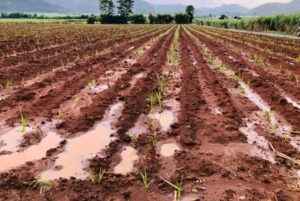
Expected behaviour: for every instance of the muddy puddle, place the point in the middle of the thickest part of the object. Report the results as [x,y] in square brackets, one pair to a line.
[165,119]
[79,149]
[34,152]
[168,149]
[10,140]
[98,88]
[128,155]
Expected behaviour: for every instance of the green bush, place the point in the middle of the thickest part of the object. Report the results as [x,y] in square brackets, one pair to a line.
[91,19]
[137,19]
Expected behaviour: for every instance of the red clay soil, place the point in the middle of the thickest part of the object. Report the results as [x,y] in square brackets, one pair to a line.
[216,160]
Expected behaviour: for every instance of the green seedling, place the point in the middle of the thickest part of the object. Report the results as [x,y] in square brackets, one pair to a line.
[35,130]
[76,101]
[145,180]
[59,114]
[275,126]
[48,185]
[43,73]
[92,177]
[77,58]
[134,138]
[100,175]
[294,148]
[154,139]
[158,95]
[178,185]
[270,114]
[152,102]
[262,114]
[9,84]
[22,81]
[23,122]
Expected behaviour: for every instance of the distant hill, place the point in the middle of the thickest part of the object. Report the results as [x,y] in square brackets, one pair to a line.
[141,6]
[40,6]
[277,8]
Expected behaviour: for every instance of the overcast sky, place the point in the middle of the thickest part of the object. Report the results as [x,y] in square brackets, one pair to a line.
[215,3]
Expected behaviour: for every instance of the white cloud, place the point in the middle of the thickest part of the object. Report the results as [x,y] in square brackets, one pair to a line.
[215,3]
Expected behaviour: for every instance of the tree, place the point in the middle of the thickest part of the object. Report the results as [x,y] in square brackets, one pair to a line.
[182,18]
[223,17]
[125,7]
[91,19]
[107,7]
[190,11]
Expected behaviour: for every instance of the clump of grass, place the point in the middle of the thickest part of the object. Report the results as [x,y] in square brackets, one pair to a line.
[9,84]
[145,180]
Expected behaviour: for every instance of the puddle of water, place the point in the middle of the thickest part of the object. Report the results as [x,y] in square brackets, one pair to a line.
[11,139]
[165,119]
[168,150]
[190,198]
[131,48]
[139,127]
[98,88]
[2,97]
[129,155]
[81,148]
[140,75]
[263,150]
[34,152]
[292,102]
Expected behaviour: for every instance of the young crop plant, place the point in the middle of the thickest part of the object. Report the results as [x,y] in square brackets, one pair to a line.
[154,139]
[59,114]
[100,175]
[134,138]
[23,122]
[92,177]
[178,185]
[270,114]
[77,58]
[48,185]
[158,95]
[9,84]
[145,180]
[262,114]
[76,101]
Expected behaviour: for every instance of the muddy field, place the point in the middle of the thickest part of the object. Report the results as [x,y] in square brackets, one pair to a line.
[144,112]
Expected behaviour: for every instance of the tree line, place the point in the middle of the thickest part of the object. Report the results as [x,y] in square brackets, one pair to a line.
[125,14]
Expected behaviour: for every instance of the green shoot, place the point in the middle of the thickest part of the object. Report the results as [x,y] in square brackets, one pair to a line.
[49,185]
[152,102]
[9,84]
[178,185]
[294,148]
[154,139]
[59,114]
[23,122]
[270,114]
[43,73]
[77,58]
[262,114]
[134,138]
[158,94]
[76,101]
[92,177]
[145,180]
[22,81]
[100,175]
